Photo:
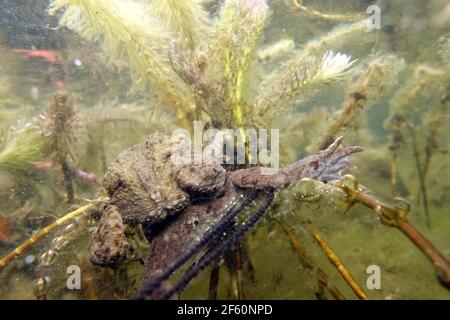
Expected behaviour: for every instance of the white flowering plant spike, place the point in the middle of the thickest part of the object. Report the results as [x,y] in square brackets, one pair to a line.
[335,65]
[307,77]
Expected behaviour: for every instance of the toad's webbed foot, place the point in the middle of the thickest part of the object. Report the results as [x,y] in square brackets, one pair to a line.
[327,165]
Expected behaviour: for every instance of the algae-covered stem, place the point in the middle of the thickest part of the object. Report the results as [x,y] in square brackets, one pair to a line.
[419,169]
[394,217]
[234,262]
[298,4]
[394,172]
[357,289]
[40,234]
[239,273]
[309,264]
[214,282]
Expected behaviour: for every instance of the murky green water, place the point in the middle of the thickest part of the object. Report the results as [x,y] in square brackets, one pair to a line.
[94,77]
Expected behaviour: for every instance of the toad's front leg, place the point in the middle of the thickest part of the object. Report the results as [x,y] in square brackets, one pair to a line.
[109,245]
[325,165]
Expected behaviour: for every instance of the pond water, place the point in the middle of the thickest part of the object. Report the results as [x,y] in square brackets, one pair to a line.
[82,80]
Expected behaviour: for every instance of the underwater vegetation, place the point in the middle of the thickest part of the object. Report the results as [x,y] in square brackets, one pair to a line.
[87,179]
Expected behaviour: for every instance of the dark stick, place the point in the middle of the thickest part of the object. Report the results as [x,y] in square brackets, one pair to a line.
[68,180]
[309,264]
[420,172]
[214,282]
[382,209]
[239,275]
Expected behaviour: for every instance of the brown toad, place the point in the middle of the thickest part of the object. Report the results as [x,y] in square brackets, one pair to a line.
[146,187]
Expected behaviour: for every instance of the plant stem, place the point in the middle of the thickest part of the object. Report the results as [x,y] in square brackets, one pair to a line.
[308,264]
[239,275]
[397,220]
[40,234]
[214,282]
[357,289]
[420,172]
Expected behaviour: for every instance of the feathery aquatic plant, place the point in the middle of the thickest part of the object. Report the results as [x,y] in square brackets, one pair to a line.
[129,35]
[186,19]
[22,148]
[195,75]
[238,31]
[308,76]
[379,76]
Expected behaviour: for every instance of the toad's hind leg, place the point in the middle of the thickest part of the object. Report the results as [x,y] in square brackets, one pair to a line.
[181,240]
[220,250]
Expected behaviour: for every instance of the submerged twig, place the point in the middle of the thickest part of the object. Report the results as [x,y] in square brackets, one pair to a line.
[239,276]
[357,289]
[404,121]
[233,289]
[40,234]
[88,277]
[298,4]
[394,172]
[308,264]
[397,217]
[214,282]
[434,126]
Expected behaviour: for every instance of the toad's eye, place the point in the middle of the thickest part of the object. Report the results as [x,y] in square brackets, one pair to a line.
[195,221]
[314,165]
